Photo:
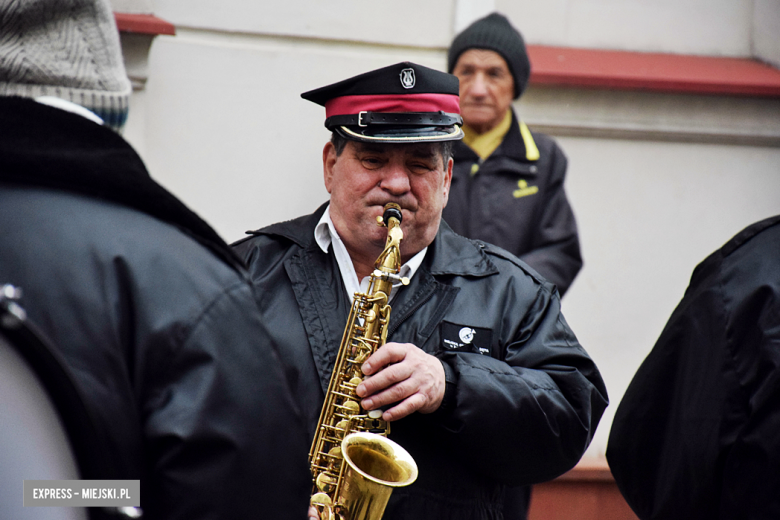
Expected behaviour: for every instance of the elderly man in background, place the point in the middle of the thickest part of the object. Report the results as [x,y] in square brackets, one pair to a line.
[148,308]
[507,183]
[481,379]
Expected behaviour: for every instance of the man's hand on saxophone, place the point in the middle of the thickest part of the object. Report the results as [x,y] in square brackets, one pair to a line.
[404,375]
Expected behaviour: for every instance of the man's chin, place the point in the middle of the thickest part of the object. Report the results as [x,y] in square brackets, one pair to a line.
[478,118]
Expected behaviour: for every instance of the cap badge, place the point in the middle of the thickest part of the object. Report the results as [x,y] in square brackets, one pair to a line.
[407,78]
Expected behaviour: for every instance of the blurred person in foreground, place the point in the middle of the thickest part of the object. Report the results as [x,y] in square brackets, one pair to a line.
[696,433]
[481,378]
[507,182]
[149,308]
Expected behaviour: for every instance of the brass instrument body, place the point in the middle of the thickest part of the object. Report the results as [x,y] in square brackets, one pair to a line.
[354,466]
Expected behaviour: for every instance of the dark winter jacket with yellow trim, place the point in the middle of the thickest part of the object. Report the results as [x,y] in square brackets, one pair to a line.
[518,203]
[523,397]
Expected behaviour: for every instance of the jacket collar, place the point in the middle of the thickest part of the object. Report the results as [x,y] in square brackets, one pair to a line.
[449,254]
[51,148]
[299,230]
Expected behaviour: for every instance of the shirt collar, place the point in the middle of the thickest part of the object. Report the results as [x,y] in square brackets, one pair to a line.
[69,106]
[325,235]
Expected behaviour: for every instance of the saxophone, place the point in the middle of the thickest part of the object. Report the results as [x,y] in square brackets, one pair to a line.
[354,466]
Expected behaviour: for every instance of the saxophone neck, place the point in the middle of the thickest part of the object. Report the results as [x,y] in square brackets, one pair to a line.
[389,261]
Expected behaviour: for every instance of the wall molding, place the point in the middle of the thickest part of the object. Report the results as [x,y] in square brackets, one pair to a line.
[655,72]
[650,115]
[136,32]
[143,24]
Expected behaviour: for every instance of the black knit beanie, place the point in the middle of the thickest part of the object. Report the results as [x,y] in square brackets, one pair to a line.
[495,33]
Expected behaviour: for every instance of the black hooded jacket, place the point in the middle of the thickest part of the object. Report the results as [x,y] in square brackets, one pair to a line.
[155,320]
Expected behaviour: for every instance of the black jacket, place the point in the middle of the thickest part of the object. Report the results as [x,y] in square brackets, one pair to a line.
[155,319]
[523,400]
[518,204]
[696,433]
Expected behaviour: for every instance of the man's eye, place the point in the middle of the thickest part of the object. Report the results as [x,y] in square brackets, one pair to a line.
[371,161]
[421,168]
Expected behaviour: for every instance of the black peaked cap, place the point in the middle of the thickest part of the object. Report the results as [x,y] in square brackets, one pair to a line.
[401,103]
[386,81]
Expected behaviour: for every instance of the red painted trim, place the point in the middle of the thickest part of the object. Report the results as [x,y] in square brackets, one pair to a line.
[143,24]
[589,470]
[568,66]
[430,102]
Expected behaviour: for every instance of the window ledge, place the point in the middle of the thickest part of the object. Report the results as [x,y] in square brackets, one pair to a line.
[671,73]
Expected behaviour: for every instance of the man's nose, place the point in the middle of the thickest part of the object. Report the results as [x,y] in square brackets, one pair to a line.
[395,180]
[478,86]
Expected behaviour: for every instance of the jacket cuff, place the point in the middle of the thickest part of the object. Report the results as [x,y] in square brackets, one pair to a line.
[451,380]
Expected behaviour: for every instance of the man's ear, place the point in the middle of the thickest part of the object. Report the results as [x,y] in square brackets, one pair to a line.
[329,158]
[447,181]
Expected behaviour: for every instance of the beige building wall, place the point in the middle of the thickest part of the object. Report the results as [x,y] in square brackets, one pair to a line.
[657,181]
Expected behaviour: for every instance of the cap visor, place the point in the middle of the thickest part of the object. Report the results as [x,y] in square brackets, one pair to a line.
[426,134]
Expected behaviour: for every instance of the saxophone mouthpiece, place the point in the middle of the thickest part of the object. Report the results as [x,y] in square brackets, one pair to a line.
[392,210]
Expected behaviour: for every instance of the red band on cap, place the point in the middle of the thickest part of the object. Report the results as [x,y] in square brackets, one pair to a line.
[346,105]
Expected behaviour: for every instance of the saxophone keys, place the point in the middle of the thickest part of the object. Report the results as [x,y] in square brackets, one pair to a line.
[320,499]
[355,381]
[361,358]
[352,407]
[326,484]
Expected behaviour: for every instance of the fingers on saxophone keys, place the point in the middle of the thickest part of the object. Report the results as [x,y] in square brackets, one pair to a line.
[383,387]
[386,355]
[406,407]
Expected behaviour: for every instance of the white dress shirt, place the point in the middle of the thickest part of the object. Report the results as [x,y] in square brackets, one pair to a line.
[326,235]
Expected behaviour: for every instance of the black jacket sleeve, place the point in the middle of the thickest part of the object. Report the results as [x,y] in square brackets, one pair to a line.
[538,402]
[221,410]
[694,436]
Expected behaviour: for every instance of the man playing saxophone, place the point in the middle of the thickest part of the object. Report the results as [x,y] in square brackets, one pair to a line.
[482,380]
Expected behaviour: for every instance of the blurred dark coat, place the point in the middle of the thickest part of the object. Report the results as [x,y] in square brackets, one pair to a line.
[523,398]
[518,204]
[155,319]
[696,434]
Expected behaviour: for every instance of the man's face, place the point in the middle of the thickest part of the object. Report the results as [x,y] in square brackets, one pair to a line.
[366,176]
[486,88]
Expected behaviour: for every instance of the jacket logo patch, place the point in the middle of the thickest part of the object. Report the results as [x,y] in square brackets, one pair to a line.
[523,189]
[466,334]
[463,338]
[407,78]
